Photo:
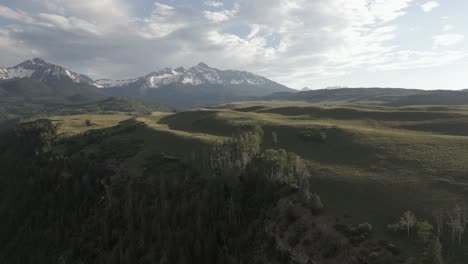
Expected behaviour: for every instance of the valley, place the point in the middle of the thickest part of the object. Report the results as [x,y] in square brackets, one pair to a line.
[368,163]
[316,175]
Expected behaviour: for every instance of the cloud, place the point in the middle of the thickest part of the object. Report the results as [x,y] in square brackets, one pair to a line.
[429,6]
[14,50]
[12,14]
[447,28]
[49,21]
[290,41]
[213,3]
[66,23]
[221,16]
[447,40]
[163,21]
[408,59]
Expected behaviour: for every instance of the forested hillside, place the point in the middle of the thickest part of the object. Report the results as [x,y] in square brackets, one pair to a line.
[110,196]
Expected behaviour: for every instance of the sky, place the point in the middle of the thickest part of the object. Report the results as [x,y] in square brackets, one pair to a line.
[300,43]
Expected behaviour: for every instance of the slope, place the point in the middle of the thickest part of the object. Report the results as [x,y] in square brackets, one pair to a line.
[383,96]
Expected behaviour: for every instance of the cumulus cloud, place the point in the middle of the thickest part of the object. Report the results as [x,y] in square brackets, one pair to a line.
[447,40]
[290,41]
[429,6]
[221,16]
[408,59]
[49,20]
[163,21]
[214,3]
[9,13]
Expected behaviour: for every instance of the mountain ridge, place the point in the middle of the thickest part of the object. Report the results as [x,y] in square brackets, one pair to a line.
[41,70]
[197,86]
[195,75]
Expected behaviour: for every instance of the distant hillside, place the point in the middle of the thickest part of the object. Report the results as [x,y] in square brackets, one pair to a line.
[24,97]
[384,96]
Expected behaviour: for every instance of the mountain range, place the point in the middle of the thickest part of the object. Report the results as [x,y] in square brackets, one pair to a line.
[36,85]
[40,70]
[199,85]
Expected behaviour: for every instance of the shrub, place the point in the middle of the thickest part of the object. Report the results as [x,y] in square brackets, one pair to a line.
[313,136]
[316,204]
[293,212]
[364,228]
[393,227]
[294,239]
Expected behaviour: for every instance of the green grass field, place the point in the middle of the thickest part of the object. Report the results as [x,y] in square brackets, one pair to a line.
[76,124]
[375,163]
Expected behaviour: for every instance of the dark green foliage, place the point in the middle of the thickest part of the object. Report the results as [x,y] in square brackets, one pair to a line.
[433,253]
[293,213]
[282,167]
[23,97]
[35,137]
[387,96]
[84,207]
[424,230]
[315,136]
[274,138]
[315,203]
[364,228]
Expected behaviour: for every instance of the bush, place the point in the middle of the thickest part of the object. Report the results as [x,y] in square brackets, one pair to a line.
[393,227]
[364,228]
[393,249]
[313,136]
[294,239]
[293,212]
[316,204]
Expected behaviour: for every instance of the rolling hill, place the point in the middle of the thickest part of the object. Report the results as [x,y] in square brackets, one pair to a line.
[383,96]
[369,164]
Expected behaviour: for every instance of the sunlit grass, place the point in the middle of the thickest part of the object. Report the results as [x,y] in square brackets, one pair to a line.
[76,124]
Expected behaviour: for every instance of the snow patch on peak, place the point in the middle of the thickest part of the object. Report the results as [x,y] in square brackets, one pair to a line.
[163,77]
[3,74]
[12,73]
[200,74]
[41,70]
[106,83]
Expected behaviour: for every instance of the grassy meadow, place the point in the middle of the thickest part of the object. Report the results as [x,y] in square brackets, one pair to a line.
[369,162]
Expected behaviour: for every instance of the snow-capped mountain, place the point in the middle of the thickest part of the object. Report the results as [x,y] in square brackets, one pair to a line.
[200,85]
[198,75]
[40,70]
